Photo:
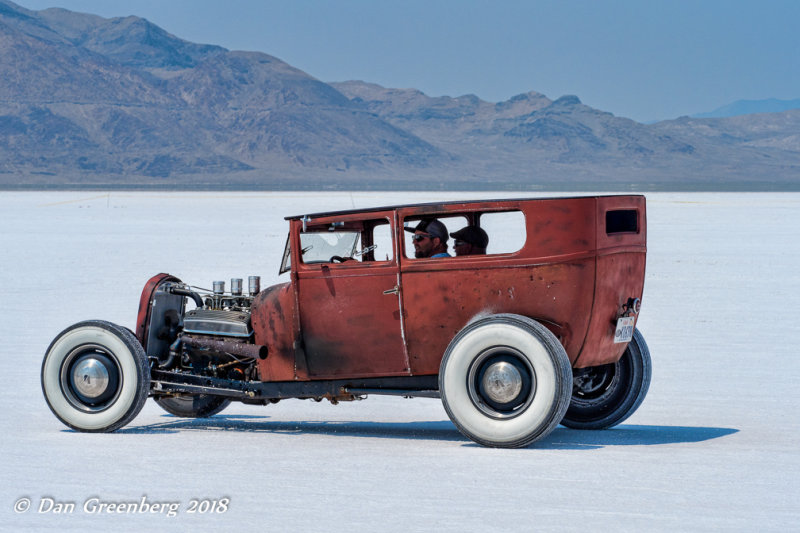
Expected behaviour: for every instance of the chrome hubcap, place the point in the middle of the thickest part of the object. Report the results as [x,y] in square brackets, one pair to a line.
[90,378]
[502,382]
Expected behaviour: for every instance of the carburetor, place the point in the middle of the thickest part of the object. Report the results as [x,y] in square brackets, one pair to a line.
[234,300]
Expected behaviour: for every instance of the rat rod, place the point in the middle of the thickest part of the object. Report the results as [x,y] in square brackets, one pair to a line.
[513,341]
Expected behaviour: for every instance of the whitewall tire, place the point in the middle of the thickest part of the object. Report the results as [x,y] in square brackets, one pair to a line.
[505,381]
[95,376]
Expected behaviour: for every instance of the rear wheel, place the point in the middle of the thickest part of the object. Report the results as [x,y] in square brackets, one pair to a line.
[193,405]
[604,396]
[505,381]
[95,376]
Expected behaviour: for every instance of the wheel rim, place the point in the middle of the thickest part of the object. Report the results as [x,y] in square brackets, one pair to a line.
[90,378]
[501,382]
[595,382]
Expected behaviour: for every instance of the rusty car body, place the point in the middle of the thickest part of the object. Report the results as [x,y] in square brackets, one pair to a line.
[514,341]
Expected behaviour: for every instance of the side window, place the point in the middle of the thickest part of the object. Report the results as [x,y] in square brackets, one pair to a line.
[506,231]
[622,221]
[382,240]
[452,223]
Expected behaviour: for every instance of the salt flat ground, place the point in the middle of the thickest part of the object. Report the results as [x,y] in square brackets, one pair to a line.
[715,446]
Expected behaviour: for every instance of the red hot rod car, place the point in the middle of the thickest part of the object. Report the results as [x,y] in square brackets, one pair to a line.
[538,330]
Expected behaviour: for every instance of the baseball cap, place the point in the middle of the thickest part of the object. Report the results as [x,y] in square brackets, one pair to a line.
[431,226]
[473,235]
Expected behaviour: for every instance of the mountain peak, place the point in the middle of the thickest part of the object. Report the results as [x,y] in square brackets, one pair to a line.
[132,41]
[528,96]
[567,100]
[522,104]
[10,9]
[137,42]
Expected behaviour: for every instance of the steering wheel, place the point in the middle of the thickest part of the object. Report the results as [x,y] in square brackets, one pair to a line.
[340,259]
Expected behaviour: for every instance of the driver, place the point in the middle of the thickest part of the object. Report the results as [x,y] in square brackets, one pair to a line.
[430,239]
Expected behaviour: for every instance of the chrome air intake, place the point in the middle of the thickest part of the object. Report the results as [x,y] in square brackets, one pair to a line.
[236,286]
[217,322]
[219,287]
[254,285]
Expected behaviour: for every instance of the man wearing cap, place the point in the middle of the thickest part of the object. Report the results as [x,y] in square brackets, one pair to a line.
[430,239]
[470,240]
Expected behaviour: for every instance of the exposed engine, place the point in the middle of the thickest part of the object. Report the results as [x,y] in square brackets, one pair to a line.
[213,339]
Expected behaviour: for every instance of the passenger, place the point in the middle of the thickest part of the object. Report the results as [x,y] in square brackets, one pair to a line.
[471,240]
[430,239]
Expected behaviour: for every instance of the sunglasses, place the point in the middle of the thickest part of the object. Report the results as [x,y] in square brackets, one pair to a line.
[420,236]
[458,242]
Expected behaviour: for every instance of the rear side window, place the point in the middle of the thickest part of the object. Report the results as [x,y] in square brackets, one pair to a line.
[506,230]
[622,221]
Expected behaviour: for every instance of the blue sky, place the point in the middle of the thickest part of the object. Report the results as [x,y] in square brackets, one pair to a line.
[638,59]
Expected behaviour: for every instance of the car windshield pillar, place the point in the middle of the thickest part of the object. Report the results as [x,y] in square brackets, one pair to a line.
[286,262]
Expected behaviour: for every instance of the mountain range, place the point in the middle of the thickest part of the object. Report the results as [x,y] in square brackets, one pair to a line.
[749,107]
[87,101]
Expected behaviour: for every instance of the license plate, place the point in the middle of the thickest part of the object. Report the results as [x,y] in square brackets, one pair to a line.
[624,331]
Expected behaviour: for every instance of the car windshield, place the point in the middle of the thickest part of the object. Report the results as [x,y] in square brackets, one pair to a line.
[322,246]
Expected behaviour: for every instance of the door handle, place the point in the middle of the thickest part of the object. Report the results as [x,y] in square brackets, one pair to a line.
[393,290]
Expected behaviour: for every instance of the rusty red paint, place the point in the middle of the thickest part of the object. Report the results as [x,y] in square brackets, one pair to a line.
[396,318]
[349,326]
[273,313]
[439,303]
[620,275]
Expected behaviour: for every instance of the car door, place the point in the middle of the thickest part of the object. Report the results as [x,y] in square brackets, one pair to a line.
[350,321]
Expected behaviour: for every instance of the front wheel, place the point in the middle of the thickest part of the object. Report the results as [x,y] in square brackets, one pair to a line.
[505,381]
[95,376]
[604,396]
[193,405]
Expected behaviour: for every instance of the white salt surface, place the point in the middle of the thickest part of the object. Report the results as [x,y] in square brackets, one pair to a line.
[713,447]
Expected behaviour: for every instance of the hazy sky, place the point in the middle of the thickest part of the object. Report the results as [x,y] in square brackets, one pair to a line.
[639,59]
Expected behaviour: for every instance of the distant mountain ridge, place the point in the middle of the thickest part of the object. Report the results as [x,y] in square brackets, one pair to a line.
[750,107]
[87,101]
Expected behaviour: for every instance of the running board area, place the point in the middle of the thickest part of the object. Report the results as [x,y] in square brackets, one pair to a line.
[163,381]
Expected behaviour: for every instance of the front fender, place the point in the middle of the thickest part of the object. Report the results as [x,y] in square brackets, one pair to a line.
[143,319]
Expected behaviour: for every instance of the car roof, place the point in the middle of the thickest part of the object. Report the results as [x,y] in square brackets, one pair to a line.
[430,205]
